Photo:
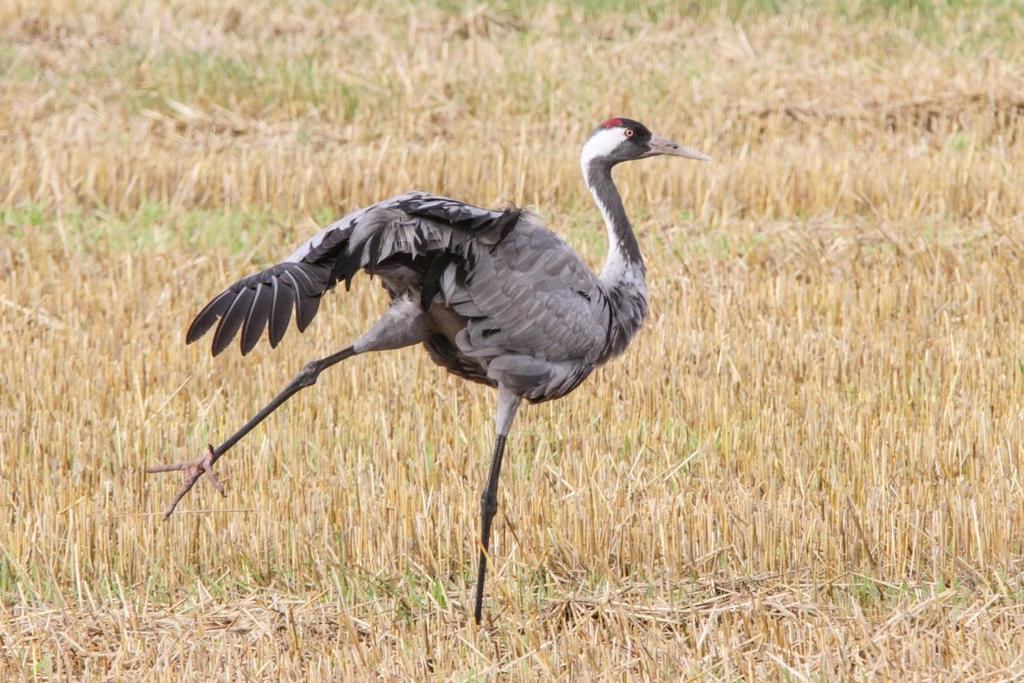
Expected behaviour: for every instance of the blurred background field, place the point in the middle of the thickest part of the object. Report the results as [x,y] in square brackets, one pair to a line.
[808,466]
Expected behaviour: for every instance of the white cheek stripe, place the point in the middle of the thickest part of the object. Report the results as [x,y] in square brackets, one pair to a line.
[601,144]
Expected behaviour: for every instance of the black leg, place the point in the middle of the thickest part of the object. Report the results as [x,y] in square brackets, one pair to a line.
[488,507]
[203,465]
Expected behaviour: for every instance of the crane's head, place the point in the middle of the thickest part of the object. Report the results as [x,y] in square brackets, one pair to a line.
[618,139]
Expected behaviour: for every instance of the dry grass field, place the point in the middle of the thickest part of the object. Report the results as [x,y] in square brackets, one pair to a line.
[808,466]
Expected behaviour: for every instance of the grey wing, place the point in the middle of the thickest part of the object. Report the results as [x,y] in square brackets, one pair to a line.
[435,221]
[410,230]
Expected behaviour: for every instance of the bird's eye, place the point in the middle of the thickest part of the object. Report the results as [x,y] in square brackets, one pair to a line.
[629,132]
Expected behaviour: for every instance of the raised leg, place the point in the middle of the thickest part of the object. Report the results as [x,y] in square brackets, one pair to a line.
[402,325]
[508,404]
[203,464]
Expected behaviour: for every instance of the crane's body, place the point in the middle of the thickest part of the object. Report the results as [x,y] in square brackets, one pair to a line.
[493,296]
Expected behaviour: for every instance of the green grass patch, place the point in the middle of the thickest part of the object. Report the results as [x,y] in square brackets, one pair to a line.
[153,227]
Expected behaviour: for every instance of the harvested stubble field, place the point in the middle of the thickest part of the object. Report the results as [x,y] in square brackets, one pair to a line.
[807,466]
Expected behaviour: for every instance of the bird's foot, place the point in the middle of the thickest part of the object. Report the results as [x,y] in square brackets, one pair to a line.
[193,471]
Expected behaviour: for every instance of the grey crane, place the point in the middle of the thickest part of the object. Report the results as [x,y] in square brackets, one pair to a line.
[494,297]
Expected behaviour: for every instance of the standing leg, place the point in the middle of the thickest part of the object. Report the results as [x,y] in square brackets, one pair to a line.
[508,403]
[401,325]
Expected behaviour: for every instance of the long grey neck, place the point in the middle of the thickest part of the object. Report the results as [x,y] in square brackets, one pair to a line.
[624,261]
[623,275]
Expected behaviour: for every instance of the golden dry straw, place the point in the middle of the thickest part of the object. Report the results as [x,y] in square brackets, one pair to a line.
[808,466]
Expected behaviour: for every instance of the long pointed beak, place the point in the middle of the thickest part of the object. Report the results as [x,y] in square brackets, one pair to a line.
[660,145]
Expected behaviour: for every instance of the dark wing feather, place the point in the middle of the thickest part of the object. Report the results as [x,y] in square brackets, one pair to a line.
[258,316]
[209,315]
[417,228]
[280,312]
[307,299]
[432,279]
[261,300]
[372,251]
[231,321]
